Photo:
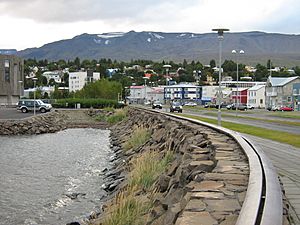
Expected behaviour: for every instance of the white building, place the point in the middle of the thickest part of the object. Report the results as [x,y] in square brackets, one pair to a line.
[256,96]
[241,84]
[77,80]
[183,92]
[138,94]
[56,75]
[209,92]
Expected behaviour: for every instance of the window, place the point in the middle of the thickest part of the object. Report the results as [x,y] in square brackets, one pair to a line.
[6,70]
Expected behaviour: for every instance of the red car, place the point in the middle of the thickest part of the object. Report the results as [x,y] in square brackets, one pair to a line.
[286,108]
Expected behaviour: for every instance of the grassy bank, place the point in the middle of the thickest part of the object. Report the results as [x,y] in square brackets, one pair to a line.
[279,136]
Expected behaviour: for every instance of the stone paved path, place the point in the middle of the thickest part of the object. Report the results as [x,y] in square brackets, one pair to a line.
[286,160]
[217,199]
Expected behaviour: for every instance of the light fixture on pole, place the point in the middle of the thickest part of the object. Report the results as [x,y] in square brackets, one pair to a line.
[237,96]
[167,67]
[220,38]
[34,83]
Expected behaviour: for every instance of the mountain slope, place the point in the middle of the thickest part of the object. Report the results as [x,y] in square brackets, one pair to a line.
[258,47]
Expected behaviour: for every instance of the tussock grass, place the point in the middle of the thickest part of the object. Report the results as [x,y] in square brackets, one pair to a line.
[139,137]
[119,115]
[129,208]
[147,169]
[279,136]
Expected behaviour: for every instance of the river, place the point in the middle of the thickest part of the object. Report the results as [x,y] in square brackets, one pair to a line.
[52,178]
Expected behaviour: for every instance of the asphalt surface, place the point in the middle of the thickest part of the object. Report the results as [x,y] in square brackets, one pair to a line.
[13,114]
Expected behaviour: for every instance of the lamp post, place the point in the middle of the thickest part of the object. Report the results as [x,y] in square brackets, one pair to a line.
[220,38]
[34,83]
[167,67]
[237,96]
[145,86]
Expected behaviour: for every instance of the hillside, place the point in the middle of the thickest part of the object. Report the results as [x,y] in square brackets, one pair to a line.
[282,49]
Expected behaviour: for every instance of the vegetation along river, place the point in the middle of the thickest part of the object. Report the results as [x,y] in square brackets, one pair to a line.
[52,178]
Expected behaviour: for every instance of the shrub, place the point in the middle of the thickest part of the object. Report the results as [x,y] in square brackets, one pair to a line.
[85,103]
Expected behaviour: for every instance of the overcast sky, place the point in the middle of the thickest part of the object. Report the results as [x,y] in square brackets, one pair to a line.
[33,23]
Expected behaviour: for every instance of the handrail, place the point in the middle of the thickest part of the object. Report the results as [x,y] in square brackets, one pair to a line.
[263,201]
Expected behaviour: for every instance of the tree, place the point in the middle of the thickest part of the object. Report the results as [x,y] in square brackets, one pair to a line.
[212,63]
[261,73]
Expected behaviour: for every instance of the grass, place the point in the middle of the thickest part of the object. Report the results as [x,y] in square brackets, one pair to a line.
[139,136]
[130,208]
[119,115]
[127,209]
[293,123]
[279,136]
[291,115]
[147,169]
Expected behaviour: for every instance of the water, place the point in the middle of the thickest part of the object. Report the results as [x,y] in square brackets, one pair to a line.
[52,178]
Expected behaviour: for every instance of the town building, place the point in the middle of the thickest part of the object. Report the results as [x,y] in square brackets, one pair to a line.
[138,94]
[279,91]
[77,80]
[241,84]
[256,96]
[183,92]
[55,75]
[209,93]
[11,79]
[296,96]
[239,95]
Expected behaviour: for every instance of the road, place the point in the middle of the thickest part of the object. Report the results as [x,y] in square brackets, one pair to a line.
[13,114]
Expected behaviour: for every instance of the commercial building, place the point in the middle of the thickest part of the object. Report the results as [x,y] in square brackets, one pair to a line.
[11,79]
[183,92]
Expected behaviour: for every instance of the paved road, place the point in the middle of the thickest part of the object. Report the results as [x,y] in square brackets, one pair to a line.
[13,113]
[285,159]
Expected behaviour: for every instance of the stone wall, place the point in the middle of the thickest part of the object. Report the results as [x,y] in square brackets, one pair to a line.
[205,183]
[42,123]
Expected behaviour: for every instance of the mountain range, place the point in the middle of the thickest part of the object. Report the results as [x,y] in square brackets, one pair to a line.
[281,49]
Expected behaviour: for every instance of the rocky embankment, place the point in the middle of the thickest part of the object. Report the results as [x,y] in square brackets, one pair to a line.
[52,122]
[204,184]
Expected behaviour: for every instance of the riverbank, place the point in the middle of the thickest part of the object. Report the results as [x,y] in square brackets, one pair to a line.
[52,122]
[205,176]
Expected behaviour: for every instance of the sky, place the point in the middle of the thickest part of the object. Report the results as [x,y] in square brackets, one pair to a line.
[33,23]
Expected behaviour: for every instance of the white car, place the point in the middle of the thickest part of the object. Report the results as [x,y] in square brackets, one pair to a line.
[190,104]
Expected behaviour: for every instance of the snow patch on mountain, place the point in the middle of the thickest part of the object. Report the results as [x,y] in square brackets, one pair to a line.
[107,42]
[157,36]
[111,35]
[149,39]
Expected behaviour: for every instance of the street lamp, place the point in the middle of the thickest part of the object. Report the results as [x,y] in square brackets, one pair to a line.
[34,83]
[167,67]
[237,96]
[220,38]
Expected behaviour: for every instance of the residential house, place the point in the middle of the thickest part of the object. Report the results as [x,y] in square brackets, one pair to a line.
[239,95]
[256,96]
[296,96]
[279,91]
[11,79]
[77,80]
[55,75]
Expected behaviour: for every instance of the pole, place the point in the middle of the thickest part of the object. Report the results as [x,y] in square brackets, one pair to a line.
[34,98]
[237,84]
[220,91]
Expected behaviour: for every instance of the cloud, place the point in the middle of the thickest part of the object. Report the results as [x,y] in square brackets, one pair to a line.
[83,10]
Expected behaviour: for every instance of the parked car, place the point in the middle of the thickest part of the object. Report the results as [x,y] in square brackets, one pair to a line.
[209,105]
[26,105]
[156,104]
[250,106]
[176,106]
[286,108]
[229,106]
[190,104]
[239,106]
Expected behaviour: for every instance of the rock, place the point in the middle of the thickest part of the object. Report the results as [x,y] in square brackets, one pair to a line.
[196,218]
[163,182]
